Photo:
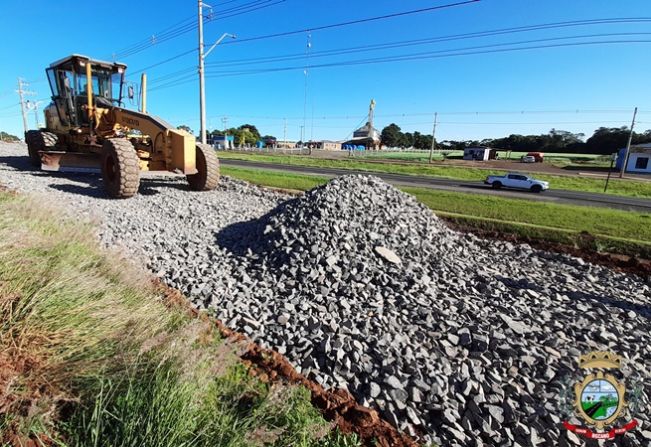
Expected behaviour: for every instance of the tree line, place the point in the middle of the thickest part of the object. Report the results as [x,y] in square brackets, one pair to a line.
[604,140]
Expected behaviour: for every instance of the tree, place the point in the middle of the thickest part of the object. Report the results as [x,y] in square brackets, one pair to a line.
[407,140]
[391,135]
[244,137]
[422,141]
[186,128]
[4,136]
[608,140]
[252,129]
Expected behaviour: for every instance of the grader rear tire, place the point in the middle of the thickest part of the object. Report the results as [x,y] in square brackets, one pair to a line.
[207,177]
[120,168]
[38,140]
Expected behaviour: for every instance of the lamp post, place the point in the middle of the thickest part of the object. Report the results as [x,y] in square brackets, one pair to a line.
[202,58]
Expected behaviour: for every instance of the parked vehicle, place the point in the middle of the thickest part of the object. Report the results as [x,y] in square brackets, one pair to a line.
[539,157]
[528,159]
[516,181]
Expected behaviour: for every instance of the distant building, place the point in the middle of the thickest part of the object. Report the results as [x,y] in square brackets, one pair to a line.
[281,144]
[325,145]
[221,141]
[367,135]
[638,159]
[479,153]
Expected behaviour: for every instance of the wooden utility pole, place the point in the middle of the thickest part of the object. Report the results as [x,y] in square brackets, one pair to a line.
[431,150]
[628,146]
[285,133]
[613,157]
[23,107]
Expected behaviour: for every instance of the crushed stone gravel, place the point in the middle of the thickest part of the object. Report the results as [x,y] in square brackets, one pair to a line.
[455,339]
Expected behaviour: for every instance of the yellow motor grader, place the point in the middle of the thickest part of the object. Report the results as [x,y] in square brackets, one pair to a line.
[87,128]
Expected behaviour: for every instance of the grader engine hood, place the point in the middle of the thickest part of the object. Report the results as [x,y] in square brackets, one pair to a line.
[176,147]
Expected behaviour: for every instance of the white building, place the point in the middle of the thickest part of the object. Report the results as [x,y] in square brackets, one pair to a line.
[639,159]
[479,153]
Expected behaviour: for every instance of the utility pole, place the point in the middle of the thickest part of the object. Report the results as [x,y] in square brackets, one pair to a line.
[224,123]
[431,150]
[202,80]
[628,145]
[613,157]
[285,133]
[306,72]
[23,107]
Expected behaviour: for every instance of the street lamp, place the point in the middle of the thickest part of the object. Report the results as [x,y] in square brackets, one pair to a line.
[202,57]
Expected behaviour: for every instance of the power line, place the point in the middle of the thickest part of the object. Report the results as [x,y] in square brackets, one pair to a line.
[9,107]
[298,119]
[163,62]
[317,28]
[428,55]
[425,41]
[434,40]
[183,29]
[148,40]
[355,22]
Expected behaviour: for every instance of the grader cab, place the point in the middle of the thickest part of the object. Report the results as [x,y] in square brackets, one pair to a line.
[88,128]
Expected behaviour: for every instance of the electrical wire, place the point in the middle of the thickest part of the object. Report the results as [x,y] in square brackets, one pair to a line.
[447,113]
[183,29]
[423,56]
[10,106]
[316,28]
[408,43]
[354,22]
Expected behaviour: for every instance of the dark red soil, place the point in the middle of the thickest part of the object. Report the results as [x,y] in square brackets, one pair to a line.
[337,406]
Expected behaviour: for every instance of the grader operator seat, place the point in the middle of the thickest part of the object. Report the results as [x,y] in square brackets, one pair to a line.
[68,82]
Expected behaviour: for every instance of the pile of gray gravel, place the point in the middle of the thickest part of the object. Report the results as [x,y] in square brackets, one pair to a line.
[460,340]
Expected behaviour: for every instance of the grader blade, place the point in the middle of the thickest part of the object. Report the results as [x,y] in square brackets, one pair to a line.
[70,162]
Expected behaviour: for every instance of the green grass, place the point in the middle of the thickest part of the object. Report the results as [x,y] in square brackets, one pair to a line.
[624,187]
[92,354]
[600,414]
[614,230]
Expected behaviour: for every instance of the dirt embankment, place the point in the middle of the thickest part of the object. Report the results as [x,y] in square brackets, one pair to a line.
[337,406]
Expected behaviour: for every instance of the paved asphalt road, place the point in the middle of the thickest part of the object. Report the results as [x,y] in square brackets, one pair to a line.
[551,195]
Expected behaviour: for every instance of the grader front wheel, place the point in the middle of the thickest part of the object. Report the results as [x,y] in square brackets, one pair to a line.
[207,163]
[120,168]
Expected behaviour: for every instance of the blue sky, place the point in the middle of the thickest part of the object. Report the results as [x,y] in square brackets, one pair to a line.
[600,83]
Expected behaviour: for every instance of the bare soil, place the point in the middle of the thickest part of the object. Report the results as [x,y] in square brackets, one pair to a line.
[337,406]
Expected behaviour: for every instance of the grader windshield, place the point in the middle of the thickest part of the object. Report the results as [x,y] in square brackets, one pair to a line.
[68,82]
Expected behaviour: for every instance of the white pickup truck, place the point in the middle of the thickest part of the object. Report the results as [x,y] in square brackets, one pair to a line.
[517,181]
